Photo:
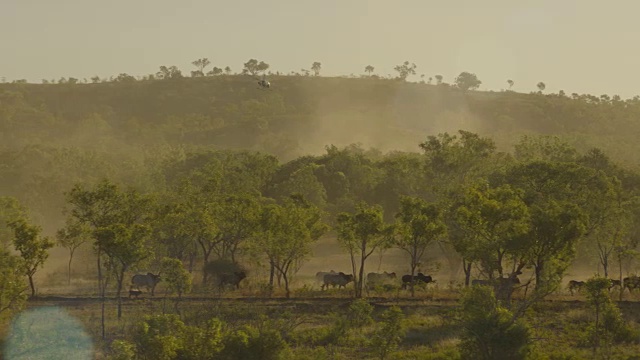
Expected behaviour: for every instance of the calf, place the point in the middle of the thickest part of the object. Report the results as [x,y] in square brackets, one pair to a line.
[135,293]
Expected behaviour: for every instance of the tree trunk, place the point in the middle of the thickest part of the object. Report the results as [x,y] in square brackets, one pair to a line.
[286,285]
[99,272]
[466,267]
[33,287]
[69,270]
[205,254]
[353,268]
[120,279]
[413,273]
[360,274]
[192,259]
[272,270]
[620,276]
[539,267]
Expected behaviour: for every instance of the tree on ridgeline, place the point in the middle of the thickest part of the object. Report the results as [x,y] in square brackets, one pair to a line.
[316,67]
[541,86]
[253,67]
[405,69]
[200,64]
[369,69]
[467,81]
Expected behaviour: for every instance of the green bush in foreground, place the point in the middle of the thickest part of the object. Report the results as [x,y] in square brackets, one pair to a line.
[490,332]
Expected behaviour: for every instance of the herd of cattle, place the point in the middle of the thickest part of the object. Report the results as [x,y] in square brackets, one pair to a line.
[341,280]
[629,283]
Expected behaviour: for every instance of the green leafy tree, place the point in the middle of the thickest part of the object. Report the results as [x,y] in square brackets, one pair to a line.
[117,221]
[608,327]
[389,333]
[491,331]
[71,237]
[405,69]
[302,181]
[510,82]
[202,342]
[286,234]
[172,229]
[544,148]
[418,225]
[466,81]
[33,249]
[494,221]
[12,285]
[452,163]
[237,220]
[361,233]
[227,70]
[125,246]
[438,79]
[177,278]
[10,211]
[566,201]
[253,343]
[159,337]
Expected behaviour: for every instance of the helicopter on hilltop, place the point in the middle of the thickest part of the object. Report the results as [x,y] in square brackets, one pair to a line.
[264,83]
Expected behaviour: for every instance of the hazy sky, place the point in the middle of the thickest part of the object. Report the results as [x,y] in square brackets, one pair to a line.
[583,46]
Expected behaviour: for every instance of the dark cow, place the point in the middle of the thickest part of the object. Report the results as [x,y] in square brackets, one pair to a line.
[233,279]
[149,281]
[340,279]
[575,285]
[320,275]
[406,279]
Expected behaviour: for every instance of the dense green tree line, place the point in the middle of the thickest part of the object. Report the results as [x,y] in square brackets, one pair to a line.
[504,213]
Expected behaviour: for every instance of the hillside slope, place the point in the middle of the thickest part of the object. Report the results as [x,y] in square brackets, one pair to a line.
[300,115]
